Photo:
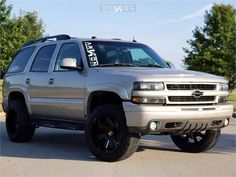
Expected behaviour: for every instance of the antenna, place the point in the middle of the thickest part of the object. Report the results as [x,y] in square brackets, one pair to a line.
[134,39]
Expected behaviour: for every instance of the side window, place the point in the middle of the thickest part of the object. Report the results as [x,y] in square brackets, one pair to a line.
[68,50]
[21,59]
[42,60]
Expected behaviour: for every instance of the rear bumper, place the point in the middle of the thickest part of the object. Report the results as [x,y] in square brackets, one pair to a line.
[189,118]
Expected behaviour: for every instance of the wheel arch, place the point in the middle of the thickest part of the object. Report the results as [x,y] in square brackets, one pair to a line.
[101,97]
[18,95]
[115,92]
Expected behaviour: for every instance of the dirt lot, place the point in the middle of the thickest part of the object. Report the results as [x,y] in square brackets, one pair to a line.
[64,153]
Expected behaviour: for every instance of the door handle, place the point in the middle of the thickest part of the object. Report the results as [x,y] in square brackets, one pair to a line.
[27,81]
[51,81]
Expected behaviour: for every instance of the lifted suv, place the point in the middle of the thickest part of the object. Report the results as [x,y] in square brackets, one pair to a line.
[114,90]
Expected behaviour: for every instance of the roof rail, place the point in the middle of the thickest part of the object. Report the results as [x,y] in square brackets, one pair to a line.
[118,39]
[57,37]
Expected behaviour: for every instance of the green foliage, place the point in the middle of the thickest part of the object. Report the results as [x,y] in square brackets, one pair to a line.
[213,46]
[15,31]
[4,12]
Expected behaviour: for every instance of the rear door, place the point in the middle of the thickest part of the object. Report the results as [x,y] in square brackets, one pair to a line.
[38,82]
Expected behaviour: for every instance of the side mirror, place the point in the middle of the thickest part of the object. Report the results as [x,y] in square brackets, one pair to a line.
[170,64]
[70,63]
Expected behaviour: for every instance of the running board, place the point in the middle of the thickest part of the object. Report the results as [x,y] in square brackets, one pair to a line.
[52,123]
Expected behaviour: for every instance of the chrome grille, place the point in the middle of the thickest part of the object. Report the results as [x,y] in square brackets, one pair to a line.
[190,98]
[191,87]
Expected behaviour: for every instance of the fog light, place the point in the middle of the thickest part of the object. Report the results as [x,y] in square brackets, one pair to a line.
[226,122]
[158,125]
[153,126]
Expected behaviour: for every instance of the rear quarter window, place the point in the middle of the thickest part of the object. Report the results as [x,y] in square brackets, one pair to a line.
[21,59]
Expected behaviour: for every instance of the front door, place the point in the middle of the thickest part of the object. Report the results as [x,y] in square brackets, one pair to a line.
[66,90]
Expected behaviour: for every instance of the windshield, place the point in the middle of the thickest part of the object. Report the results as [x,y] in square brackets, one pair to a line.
[104,54]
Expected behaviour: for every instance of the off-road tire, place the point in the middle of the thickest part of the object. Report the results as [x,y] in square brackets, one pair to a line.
[208,140]
[128,143]
[18,124]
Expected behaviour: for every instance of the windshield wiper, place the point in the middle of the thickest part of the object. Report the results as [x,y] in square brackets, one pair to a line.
[129,65]
[116,64]
[151,65]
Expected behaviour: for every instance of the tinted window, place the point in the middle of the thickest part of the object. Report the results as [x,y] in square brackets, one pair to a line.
[102,53]
[21,59]
[42,60]
[69,50]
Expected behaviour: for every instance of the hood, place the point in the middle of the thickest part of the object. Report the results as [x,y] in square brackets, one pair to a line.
[161,74]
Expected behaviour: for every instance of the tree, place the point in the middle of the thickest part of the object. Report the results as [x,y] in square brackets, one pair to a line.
[5,12]
[213,46]
[15,31]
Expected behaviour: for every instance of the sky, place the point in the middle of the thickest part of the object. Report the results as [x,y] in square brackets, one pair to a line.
[164,25]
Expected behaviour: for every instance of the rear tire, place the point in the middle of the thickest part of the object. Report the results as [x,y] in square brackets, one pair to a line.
[18,124]
[107,134]
[196,142]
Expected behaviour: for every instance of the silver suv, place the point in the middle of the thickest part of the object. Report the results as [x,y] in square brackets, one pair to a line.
[116,91]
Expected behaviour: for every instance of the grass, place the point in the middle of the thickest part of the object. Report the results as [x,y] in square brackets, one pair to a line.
[1,81]
[231,98]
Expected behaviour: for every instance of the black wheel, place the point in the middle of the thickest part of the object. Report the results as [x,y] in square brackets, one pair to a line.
[18,124]
[196,142]
[107,134]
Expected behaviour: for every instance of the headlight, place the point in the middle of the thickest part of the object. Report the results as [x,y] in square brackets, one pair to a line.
[223,87]
[154,86]
[148,86]
[222,99]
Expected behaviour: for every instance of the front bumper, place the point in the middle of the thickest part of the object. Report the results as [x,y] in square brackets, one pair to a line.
[188,118]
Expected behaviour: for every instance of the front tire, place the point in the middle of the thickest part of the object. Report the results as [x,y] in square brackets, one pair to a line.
[107,134]
[18,124]
[196,142]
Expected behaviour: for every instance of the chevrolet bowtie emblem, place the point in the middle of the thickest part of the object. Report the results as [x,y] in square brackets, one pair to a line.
[197,94]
